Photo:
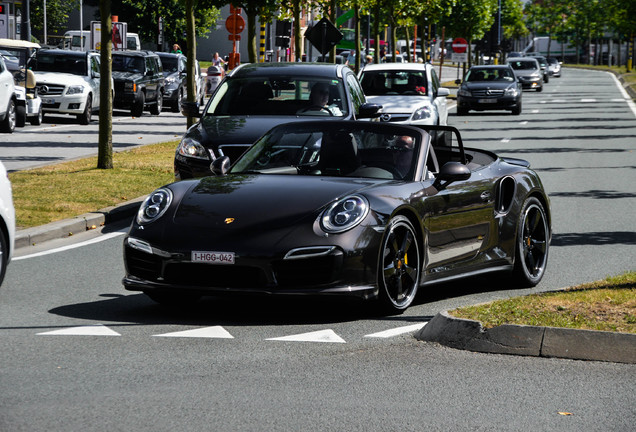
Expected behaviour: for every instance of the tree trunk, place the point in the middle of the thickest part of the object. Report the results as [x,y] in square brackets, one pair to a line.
[191,55]
[105,145]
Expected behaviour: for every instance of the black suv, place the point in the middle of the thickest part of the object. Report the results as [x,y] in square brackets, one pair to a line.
[139,82]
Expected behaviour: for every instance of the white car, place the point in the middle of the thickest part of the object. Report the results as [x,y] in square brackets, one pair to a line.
[68,82]
[7,221]
[410,93]
[8,99]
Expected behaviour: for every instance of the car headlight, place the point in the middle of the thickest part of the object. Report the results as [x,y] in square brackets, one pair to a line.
[511,91]
[464,92]
[171,80]
[344,214]
[189,147]
[76,89]
[154,206]
[422,113]
[130,86]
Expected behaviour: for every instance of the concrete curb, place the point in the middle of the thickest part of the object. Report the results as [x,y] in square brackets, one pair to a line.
[530,340]
[67,227]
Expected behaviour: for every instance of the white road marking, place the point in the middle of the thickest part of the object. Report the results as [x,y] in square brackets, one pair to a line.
[534,111]
[524,122]
[588,100]
[396,331]
[90,330]
[505,140]
[217,332]
[317,336]
[73,246]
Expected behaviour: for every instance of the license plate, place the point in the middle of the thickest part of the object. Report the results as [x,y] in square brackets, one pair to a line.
[486,101]
[213,257]
[48,101]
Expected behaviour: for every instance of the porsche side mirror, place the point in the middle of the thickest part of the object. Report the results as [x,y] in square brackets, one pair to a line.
[369,110]
[220,166]
[453,171]
[190,109]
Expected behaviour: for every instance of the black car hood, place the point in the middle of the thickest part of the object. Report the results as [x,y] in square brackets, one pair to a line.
[267,201]
[119,75]
[485,85]
[218,130]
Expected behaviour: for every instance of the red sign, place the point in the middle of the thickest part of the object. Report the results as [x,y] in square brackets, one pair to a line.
[235,24]
[459,45]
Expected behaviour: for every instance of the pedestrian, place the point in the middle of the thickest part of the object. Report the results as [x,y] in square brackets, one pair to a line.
[217,60]
[176,49]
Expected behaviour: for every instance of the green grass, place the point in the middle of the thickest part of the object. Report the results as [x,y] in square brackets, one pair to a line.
[607,305]
[68,189]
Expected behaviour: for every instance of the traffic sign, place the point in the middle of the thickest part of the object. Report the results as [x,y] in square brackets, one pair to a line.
[459,45]
[235,24]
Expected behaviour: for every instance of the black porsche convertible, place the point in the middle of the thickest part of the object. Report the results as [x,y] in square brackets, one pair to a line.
[341,208]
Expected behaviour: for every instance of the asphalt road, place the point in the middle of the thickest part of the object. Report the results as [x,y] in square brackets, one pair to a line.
[81,353]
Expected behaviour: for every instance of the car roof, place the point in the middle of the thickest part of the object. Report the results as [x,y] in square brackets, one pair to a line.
[396,65]
[131,53]
[327,70]
[502,66]
[66,53]
[16,43]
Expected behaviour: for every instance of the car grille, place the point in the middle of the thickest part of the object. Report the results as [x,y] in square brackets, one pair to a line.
[233,151]
[394,117]
[214,276]
[487,93]
[51,90]
[142,264]
[309,271]
[50,105]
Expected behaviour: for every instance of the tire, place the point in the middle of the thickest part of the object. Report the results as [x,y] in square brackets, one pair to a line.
[516,110]
[399,266]
[8,124]
[137,110]
[20,116]
[532,244]
[37,120]
[156,108]
[85,117]
[462,111]
[4,255]
[175,107]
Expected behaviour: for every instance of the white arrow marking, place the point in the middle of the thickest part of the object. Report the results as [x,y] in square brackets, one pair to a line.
[317,336]
[217,332]
[397,331]
[90,330]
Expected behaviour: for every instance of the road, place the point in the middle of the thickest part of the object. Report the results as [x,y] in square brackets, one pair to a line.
[81,353]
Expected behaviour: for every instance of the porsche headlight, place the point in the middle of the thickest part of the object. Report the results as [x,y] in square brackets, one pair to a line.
[193,149]
[76,89]
[344,214]
[154,206]
[422,113]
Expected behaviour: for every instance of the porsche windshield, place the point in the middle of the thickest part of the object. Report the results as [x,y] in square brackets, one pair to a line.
[334,151]
[279,96]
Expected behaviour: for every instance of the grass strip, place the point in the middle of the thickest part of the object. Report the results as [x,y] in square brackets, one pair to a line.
[68,189]
[606,305]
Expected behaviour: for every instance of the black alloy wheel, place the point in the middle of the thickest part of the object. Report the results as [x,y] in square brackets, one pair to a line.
[533,244]
[399,266]
[8,124]
[85,117]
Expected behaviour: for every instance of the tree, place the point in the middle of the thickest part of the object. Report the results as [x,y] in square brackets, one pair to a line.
[105,146]
[57,14]
[266,10]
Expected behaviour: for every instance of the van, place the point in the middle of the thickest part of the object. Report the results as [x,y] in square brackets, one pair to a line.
[77,40]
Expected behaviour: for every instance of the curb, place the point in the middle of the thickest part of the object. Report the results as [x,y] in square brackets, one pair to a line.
[68,227]
[530,340]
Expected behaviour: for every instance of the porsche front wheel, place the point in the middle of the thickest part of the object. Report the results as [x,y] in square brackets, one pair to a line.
[399,266]
[532,245]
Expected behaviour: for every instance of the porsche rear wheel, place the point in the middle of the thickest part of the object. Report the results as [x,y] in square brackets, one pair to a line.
[399,266]
[533,238]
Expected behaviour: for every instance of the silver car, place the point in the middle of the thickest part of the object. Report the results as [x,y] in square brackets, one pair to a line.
[528,72]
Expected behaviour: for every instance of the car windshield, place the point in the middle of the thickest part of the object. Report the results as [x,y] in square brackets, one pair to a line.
[361,150]
[489,75]
[394,82]
[54,62]
[170,64]
[279,96]
[523,64]
[122,63]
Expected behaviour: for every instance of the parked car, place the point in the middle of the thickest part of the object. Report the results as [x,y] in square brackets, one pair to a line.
[489,87]
[543,63]
[410,93]
[17,54]
[350,208]
[68,82]
[175,73]
[554,66]
[528,72]
[8,99]
[7,222]
[138,82]
[254,97]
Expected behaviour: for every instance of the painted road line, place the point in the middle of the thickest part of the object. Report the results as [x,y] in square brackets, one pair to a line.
[216,332]
[397,331]
[90,330]
[73,246]
[317,336]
